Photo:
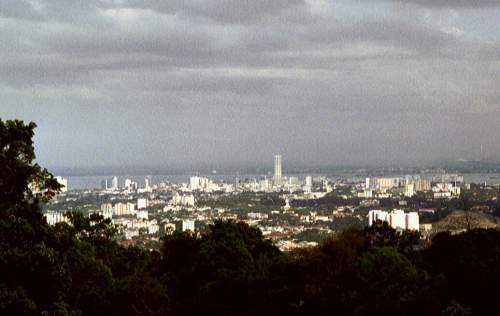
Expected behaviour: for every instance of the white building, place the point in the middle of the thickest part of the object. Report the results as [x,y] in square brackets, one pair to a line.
[264,185]
[309,181]
[412,221]
[397,219]
[114,183]
[409,189]
[277,170]
[422,185]
[106,207]
[367,193]
[377,215]
[308,185]
[122,209]
[183,200]
[54,217]
[128,184]
[142,203]
[153,227]
[142,214]
[187,224]
[200,183]
[368,183]
[382,184]
[294,181]
[445,190]
[257,215]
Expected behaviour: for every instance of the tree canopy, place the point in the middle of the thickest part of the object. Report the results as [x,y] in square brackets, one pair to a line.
[229,269]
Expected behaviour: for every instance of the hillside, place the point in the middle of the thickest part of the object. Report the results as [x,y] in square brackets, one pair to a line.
[457,220]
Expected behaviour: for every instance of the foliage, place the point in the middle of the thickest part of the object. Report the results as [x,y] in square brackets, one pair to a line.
[312,234]
[77,268]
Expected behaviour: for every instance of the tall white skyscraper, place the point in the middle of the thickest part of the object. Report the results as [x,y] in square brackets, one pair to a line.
[277,169]
[128,184]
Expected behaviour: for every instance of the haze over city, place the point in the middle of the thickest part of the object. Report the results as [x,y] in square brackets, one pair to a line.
[120,83]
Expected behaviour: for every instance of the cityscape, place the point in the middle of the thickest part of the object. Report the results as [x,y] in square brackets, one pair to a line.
[292,211]
[249,157]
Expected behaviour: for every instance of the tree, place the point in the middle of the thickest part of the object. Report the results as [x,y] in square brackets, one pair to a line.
[28,262]
[66,269]
[465,205]
[20,176]
[226,270]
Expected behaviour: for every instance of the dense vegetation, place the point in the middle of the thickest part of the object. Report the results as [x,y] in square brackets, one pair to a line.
[230,269]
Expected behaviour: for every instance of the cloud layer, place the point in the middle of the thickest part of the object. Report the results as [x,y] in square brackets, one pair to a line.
[153,82]
[471,4]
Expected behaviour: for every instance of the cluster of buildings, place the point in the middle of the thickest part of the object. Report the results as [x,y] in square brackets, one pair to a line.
[182,200]
[410,185]
[149,210]
[54,217]
[118,209]
[202,184]
[111,185]
[397,219]
[133,227]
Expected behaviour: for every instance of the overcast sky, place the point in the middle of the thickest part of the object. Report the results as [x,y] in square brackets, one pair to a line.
[134,82]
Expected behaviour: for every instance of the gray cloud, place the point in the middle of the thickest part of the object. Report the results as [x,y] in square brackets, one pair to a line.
[139,82]
[467,4]
[228,11]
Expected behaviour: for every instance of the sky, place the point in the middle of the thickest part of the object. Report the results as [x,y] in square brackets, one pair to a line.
[346,82]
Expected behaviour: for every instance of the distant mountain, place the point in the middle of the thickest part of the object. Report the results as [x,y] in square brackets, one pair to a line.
[472,166]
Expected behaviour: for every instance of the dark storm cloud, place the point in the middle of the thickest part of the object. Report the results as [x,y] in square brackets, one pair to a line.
[138,82]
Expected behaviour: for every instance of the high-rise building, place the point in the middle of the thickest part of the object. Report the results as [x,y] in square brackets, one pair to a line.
[377,215]
[142,203]
[368,183]
[309,181]
[409,189]
[128,184]
[422,185]
[114,183]
[412,221]
[277,169]
[182,200]
[309,184]
[397,219]
[200,183]
[104,184]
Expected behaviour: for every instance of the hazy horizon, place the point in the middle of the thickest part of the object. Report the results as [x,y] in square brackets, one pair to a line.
[344,83]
